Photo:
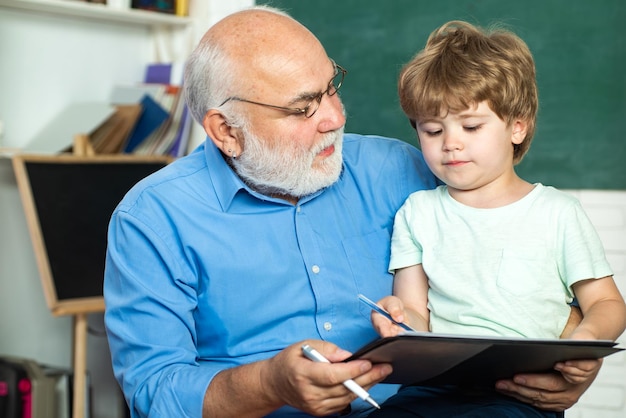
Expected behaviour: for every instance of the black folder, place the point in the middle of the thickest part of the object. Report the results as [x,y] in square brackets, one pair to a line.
[440,359]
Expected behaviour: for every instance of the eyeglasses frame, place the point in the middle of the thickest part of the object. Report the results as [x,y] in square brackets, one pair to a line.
[305,109]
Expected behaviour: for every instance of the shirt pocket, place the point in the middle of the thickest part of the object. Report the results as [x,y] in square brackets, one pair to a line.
[527,272]
[368,258]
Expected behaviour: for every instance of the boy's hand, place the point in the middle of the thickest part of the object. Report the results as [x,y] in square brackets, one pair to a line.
[577,371]
[382,325]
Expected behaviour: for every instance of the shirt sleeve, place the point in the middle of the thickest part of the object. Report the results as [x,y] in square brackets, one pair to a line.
[405,249]
[150,324]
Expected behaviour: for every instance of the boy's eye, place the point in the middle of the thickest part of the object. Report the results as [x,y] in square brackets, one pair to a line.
[472,128]
[433,133]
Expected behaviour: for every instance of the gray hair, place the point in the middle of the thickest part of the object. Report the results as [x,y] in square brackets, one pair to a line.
[208,79]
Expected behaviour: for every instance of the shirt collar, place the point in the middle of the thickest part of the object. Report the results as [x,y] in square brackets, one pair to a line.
[225,182]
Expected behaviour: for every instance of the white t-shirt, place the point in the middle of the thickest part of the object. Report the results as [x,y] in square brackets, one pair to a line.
[505,271]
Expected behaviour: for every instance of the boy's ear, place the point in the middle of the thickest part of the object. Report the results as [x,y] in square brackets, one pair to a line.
[519,131]
[221,133]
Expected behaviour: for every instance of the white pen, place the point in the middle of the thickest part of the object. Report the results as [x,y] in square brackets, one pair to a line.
[313,354]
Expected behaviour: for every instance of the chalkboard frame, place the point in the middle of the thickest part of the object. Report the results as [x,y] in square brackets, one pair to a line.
[32,194]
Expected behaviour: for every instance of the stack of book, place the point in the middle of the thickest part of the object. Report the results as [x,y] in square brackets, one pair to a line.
[149,119]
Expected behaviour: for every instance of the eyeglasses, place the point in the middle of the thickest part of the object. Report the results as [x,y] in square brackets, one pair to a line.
[309,110]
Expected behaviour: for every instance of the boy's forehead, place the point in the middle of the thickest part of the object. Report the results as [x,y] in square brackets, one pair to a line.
[473,109]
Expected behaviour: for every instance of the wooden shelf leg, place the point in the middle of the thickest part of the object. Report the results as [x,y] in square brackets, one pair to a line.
[80,365]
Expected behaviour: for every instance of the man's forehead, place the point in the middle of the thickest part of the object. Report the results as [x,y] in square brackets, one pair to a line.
[289,75]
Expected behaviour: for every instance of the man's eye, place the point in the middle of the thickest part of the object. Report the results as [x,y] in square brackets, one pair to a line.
[299,112]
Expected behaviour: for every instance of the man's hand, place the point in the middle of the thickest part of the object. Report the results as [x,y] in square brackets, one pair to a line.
[289,378]
[549,391]
[317,388]
[555,391]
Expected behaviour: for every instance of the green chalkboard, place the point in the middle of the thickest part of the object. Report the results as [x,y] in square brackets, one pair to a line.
[580,53]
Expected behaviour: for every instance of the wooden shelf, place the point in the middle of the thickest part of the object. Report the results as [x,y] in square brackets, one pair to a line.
[95,11]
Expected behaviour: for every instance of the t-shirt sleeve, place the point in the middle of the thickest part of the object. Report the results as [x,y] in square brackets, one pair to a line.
[405,248]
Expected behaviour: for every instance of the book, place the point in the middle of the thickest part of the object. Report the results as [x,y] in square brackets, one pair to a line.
[173,135]
[162,6]
[158,73]
[153,115]
[182,8]
[159,141]
[110,137]
[438,359]
[181,142]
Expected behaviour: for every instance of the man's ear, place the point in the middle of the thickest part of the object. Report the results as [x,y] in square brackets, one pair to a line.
[519,131]
[221,133]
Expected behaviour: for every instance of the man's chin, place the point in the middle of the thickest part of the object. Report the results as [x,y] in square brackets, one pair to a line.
[325,178]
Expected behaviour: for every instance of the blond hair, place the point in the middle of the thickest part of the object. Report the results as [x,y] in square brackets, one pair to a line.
[463,65]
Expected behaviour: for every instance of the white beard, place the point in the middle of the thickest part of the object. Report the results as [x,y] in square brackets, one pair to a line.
[288,171]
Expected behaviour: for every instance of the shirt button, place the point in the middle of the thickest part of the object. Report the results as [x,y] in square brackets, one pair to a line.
[328,326]
[316,269]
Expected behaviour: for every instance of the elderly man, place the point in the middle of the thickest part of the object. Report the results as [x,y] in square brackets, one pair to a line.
[223,264]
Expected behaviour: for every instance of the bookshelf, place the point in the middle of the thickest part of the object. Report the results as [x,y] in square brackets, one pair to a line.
[96,11]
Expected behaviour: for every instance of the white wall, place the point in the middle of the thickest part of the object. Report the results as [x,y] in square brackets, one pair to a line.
[606,398]
[49,62]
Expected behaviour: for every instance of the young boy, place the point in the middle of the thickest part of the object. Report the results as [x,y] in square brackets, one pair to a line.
[488,253]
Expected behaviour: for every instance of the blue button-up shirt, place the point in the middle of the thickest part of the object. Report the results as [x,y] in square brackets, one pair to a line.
[203,273]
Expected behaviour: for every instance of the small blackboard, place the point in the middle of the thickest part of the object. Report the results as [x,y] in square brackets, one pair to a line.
[68,201]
